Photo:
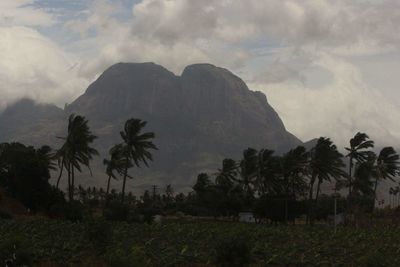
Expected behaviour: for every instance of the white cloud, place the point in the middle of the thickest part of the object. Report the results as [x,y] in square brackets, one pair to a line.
[313,69]
[23,13]
[33,66]
[338,109]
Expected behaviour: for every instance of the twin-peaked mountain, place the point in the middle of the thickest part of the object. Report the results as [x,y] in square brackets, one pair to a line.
[199,118]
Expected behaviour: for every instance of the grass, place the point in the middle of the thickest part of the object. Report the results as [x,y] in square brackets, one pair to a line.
[60,243]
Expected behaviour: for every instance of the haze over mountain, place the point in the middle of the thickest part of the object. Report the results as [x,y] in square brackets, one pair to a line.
[199,118]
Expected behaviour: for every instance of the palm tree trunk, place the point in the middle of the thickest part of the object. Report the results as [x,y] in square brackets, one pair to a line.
[310,196]
[350,180]
[124,181]
[72,182]
[59,177]
[375,187]
[69,181]
[318,189]
[108,185]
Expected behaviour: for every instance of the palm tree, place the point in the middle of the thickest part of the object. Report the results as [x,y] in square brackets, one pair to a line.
[268,172]
[46,158]
[391,193]
[363,179]
[294,166]
[76,150]
[226,176]
[325,163]
[137,146]
[117,163]
[358,151]
[248,171]
[387,166]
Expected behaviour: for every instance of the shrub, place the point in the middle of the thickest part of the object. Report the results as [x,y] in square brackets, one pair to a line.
[99,233]
[116,211]
[375,259]
[5,215]
[74,211]
[15,251]
[233,250]
[135,256]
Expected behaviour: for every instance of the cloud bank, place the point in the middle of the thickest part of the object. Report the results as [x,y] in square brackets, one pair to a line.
[326,66]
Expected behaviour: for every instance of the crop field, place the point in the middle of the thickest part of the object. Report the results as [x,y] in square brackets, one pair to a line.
[98,243]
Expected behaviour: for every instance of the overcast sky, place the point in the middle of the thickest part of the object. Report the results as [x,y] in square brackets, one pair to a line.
[329,68]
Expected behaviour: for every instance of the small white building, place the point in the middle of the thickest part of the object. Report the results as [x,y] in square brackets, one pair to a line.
[247,217]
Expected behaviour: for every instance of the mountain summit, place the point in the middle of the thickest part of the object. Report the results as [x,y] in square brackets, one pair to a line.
[199,118]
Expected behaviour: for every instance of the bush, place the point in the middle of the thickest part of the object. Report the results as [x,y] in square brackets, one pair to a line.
[74,211]
[5,215]
[116,211]
[15,251]
[135,256]
[99,233]
[375,259]
[233,250]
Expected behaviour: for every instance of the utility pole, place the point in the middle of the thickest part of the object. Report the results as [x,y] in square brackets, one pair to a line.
[154,192]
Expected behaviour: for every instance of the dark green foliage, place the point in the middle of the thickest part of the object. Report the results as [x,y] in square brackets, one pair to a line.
[116,211]
[5,215]
[99,233]
[15,251]
[376,259]
[73,211]
[194,244]
[233,250]
[25,175]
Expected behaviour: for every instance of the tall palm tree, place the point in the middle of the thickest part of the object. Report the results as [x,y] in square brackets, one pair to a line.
[137,146]
[325,163]
[387,166]
[294,166]
[363,183]
[76,150]
[357,151]
[268,172]
[46,158]
[116,164]
[226,176]
[248,171]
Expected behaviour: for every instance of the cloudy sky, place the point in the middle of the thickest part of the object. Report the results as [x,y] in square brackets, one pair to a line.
[330,68]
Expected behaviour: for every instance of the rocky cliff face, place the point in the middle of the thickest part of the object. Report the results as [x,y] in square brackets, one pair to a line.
[199,118]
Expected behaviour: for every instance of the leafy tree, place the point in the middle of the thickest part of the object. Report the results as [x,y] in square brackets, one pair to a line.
[137,146]
[358,151]
[76,150]
[25,174]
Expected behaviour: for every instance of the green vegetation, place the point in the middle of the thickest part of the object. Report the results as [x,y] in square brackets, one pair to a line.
[199,244]
[97,227]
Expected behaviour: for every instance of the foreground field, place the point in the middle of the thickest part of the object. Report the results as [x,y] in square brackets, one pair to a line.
[59,243]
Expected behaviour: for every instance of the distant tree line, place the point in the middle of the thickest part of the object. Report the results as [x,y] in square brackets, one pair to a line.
[277,188]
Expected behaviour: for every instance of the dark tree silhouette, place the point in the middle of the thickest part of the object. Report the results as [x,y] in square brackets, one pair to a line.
[76,150]
[325,163]
[387,166]
[358,152]
[137,146]
[116,164]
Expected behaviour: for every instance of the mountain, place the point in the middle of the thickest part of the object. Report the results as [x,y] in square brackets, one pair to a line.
[199,118]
